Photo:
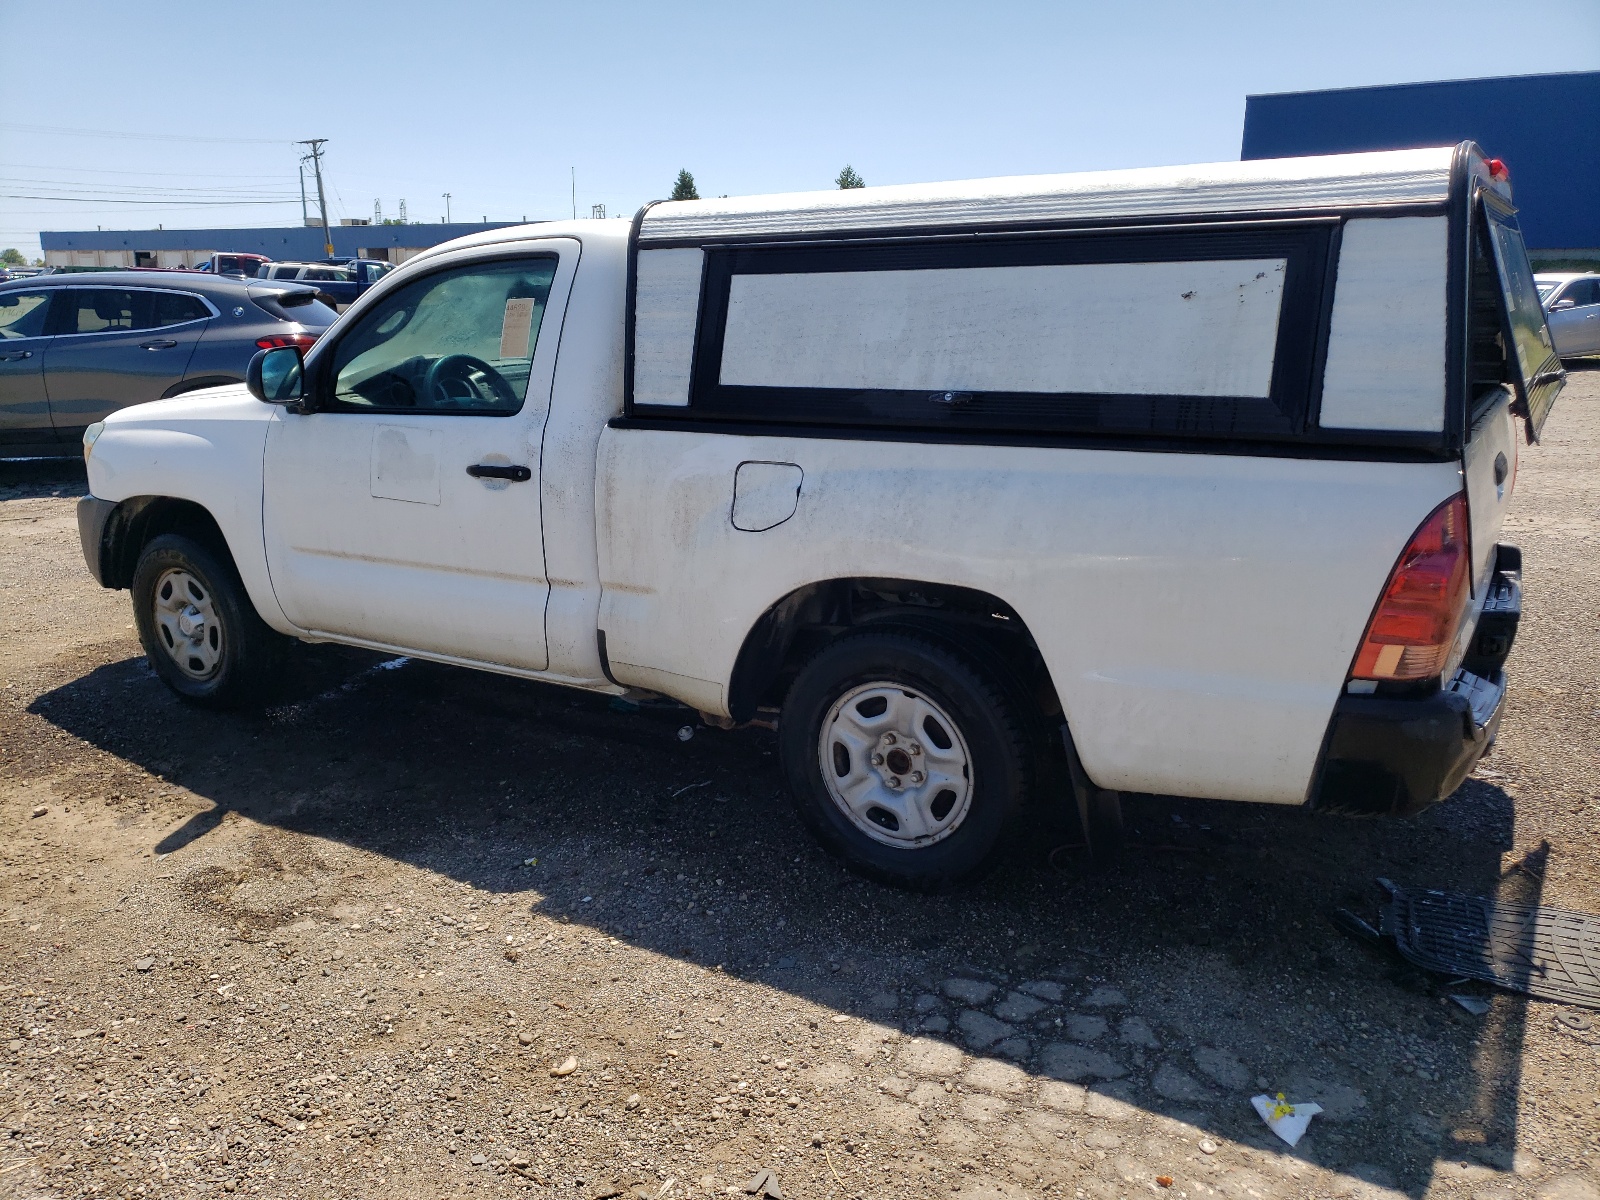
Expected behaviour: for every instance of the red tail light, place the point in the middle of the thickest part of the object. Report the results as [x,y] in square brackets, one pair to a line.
[303,341]
[1410,634]
[1498,170]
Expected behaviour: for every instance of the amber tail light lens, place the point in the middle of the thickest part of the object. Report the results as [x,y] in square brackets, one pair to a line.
[1414,626]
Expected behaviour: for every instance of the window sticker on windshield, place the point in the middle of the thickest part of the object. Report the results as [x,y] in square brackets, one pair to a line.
[516,330]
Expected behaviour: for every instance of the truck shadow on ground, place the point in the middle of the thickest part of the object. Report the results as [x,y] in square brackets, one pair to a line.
[1199,970]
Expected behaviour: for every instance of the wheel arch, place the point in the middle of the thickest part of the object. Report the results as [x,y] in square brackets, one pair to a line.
[801,623]
[137,520]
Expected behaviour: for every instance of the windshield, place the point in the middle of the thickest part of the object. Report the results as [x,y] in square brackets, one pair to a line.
[1538,370]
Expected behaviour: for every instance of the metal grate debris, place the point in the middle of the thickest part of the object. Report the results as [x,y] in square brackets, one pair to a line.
[1550,953]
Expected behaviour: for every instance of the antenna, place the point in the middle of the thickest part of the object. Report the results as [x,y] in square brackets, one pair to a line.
[597,211]
[402,212]
[377,212]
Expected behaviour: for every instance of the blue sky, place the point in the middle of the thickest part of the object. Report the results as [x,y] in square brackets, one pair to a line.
[497,102]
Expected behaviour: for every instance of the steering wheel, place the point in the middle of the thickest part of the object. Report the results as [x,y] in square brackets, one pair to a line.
[463,379]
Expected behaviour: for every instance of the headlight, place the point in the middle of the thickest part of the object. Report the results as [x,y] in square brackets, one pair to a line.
[89,437]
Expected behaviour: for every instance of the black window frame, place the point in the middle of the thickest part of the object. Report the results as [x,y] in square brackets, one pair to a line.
[1308,244]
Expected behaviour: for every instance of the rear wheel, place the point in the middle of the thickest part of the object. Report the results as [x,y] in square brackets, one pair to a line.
[198,627]
[906,759]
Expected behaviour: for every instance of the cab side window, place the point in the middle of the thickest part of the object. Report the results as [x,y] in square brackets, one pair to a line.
[457,341]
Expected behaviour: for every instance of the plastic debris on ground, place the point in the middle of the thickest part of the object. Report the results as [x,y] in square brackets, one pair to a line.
[1287,1120]
[765,1183]
[1551,953]
[1472,1004]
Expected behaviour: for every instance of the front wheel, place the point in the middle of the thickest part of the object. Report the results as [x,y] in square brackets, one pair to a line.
[198,628]
[905,759]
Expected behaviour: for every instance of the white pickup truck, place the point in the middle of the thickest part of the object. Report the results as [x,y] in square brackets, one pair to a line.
[1180,481]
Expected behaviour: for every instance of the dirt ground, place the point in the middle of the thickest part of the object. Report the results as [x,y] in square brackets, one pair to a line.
[427,933]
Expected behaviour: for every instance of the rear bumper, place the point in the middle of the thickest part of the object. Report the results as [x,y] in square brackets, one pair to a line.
[1399,755]
[93,515]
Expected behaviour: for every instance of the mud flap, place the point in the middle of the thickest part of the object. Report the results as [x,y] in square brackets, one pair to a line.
[1099,810]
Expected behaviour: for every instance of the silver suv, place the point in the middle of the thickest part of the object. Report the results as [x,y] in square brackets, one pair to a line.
[75,348]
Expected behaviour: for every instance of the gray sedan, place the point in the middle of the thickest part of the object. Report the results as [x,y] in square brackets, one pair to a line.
[74,348]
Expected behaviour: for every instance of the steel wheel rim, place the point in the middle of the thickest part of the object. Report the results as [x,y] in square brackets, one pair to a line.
[187,625]
[895,765]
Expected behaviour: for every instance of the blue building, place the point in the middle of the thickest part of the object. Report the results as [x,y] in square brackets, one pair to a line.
[186,247]
[1546,128]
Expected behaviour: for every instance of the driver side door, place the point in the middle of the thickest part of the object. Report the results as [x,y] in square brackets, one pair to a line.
[403,509]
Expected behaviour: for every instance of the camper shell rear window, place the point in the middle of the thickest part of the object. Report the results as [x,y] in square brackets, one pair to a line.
[1536,371]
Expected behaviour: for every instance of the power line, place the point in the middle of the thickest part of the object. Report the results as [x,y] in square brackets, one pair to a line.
[109,171]
[131,189]
[61,130]
[158,203]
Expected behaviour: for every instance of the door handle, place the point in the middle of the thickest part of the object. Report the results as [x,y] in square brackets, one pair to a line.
[18,355]
[158,344]
[517,474]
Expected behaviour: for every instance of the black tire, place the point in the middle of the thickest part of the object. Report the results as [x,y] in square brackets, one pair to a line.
[987,728]
[246,656]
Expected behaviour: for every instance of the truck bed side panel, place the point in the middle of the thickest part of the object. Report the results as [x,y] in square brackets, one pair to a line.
[1198,612]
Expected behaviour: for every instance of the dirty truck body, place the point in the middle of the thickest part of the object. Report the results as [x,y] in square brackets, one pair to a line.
[1182,481]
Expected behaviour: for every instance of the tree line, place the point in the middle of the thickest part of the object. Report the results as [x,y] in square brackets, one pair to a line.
[684,189]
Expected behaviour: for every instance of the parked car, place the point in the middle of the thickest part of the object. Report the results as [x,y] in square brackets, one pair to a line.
[244,265]
[1572,306]
[337,284]
[73,348]
[1122,496]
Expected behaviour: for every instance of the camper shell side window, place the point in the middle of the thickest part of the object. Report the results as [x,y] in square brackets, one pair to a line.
[1206,332]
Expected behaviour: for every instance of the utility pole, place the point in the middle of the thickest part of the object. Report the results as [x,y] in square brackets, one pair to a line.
[447,208]
[316,145]
[305,217]
[574,193]
[402,211]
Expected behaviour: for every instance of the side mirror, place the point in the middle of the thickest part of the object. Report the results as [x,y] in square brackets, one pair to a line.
[276,376]
[1560,304]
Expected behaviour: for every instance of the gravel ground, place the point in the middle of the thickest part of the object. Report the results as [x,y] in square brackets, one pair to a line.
[423,932]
